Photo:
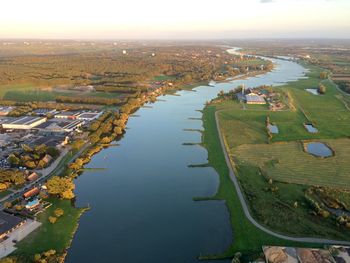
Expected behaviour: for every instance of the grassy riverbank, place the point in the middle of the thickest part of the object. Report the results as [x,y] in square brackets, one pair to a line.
[48,236]
[278,204]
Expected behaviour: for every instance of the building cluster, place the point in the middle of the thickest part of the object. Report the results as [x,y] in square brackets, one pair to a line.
[47,126]
[333,254]
[261,96]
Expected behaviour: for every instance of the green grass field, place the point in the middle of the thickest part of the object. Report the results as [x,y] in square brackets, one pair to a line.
[279,204]
[51,236]
[246,237]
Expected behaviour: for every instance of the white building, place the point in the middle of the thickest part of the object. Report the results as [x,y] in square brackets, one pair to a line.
[90,115]
[23,123]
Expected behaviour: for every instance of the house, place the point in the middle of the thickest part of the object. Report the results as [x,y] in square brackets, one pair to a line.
[8,223]
[32,177]
[33,192]
[23,123]
[253,98]
[47,159]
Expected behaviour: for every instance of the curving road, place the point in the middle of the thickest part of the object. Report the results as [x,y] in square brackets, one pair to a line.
[246,208]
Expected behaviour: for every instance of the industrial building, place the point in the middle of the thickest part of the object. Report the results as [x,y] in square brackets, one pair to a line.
[8,223]
[90,115]
[23,123]
[253,98]
[55,126]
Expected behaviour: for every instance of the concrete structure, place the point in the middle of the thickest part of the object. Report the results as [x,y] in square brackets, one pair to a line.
[8,223]
[253,98]
[23,123]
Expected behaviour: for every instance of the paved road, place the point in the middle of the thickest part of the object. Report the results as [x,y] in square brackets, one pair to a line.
[8,246]
[246,209]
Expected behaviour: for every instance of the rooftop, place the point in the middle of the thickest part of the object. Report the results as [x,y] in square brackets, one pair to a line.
[7,222]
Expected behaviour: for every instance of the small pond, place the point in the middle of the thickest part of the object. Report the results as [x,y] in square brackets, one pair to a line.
[319,149]
[273,128]
[310,128]
[313,91]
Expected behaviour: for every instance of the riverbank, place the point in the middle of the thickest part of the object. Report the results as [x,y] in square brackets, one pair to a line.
[240,126]
[74,221]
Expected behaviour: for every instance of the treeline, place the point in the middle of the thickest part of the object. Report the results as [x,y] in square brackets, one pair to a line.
[116,89]
[89,100]
[9,177]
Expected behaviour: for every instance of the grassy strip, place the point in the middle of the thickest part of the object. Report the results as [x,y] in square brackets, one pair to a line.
[56,236]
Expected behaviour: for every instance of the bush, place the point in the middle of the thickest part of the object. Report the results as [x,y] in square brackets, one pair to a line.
[52,219]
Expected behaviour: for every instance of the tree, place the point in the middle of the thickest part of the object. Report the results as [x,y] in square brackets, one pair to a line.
[323,75]
[53,151]
[118,130]
[321,89]
[61,186]
[59,212]
[52,219]
[13,160]
[26,148]
[68,194]
[37,257]
[3,187]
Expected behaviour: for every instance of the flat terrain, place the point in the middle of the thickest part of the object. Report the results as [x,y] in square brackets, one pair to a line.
[51,236]
[274,172]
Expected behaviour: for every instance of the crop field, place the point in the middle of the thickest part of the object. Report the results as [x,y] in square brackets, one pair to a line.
[288,162]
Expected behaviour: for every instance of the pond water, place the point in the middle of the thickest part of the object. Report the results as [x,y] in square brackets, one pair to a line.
[273,128]
[310,128]
[313,91]
[142,207]
[319,149]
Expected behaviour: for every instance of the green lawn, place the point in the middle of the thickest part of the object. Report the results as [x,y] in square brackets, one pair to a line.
[5,193]
[51,236]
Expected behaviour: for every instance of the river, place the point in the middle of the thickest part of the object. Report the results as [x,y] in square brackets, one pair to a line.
[142,207]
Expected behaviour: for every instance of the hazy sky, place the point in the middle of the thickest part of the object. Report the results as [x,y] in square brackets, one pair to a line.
[174,19]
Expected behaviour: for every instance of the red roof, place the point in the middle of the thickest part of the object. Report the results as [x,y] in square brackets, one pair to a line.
[32,192]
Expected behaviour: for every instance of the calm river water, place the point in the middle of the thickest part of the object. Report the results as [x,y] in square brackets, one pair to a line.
[142,207]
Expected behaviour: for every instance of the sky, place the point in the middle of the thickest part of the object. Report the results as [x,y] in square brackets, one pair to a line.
[179,19]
